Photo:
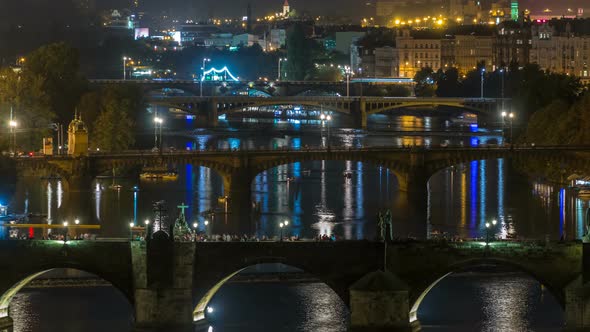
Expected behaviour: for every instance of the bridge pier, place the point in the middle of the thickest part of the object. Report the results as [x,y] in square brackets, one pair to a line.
[163,282]
[77,183]
[212,116]
[359,112]
[238,191]
[6,324]
[380,302]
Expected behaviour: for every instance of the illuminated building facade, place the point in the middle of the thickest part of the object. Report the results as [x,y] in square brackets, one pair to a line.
[512,43]
[417,50]
[561,48]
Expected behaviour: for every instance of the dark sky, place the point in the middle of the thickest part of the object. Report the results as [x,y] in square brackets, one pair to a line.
[43,10]
[331,7]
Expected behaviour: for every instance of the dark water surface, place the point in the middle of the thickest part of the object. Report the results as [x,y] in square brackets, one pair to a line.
[491,302]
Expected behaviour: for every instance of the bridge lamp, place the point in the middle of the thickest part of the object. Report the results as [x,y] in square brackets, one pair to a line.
[131,225]
[323,117]
[209,310]
[77,221]
[195,225]
[206,222]
[65,223]
[146,222]
[286,222]
[281,225]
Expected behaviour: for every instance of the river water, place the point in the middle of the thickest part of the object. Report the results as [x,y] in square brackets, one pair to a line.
[319,200]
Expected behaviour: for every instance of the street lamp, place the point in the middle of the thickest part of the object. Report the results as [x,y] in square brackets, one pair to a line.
[131,225]
[65,223]
[125,67]
[281,225]
[206,222]
[504,115]
[279,75]
[348,72]
[483,70]
[13,124]
[326,118]
[488,225]
[157,122]
[203,74]
[511,116]
[77,221]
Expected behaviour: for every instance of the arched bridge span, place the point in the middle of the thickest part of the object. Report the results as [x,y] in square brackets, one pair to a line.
[170,283]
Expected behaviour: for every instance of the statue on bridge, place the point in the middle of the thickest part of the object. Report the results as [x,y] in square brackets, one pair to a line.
[181,231]
[385,223]
[586,237]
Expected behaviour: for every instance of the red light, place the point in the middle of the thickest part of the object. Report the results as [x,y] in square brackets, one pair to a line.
[30,154]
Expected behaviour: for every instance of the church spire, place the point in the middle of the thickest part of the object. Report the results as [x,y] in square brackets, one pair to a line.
[286,8]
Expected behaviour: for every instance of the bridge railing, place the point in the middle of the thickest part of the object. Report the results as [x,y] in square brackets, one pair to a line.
[317,149]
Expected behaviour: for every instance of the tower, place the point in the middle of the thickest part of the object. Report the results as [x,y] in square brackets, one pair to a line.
[286,8]
[77,137]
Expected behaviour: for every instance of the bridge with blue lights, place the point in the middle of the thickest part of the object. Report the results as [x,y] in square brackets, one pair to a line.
[358,107]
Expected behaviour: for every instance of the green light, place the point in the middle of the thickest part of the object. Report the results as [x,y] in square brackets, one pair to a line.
[514,10]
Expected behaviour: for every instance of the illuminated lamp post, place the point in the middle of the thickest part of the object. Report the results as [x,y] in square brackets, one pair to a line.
[13,124]
[203,74]
[131,225]
[279,73]
[488,225]
[326,118]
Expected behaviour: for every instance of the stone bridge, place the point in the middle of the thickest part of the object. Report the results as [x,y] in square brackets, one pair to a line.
[270,88]
[412,167]
[170,283]
[357,107]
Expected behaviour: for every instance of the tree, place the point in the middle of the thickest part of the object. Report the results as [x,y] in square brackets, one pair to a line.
[424,80]
[299,57]
[112,129]
[326,74]
[29,104]
[448,84]
[56,68]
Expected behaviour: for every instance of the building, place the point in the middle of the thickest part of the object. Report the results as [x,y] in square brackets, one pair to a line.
[472,49]
[417,50]
[77,137]
[278,39]
[386,62]
[246,40]
[286,8]
[344,40]
[559,47]
[196,34]
[512,43]
[219,40]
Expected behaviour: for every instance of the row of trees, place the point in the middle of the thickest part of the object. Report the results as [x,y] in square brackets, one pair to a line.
[48,89]
[529,87]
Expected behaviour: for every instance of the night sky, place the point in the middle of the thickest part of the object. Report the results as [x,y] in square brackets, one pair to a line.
[13,10]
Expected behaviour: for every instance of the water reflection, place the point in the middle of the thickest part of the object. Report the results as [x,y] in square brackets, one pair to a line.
[319,198]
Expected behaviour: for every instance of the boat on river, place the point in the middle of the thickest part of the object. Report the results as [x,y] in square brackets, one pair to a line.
[159,175]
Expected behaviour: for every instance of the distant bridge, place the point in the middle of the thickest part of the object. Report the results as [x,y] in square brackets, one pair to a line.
[413,167]
[358,107]
[358,87]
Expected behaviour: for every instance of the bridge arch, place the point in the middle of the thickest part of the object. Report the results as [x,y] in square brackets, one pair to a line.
[17,281]
[418,294]
[395,168]
[384,105]
[200,311]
